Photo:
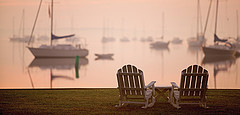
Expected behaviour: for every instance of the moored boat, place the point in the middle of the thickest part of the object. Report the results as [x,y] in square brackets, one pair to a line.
[60,50]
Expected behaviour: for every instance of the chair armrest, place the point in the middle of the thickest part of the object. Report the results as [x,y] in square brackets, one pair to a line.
[150,84]
[174,85]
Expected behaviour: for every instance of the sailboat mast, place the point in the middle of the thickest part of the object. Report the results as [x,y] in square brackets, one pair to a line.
[197,17]
[216,18]
[13,27]
[23,21]
[163,25]
[51,21]
[209,8]
[237,25]
[35,22]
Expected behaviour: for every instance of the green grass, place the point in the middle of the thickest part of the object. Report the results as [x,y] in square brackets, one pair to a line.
[103,101]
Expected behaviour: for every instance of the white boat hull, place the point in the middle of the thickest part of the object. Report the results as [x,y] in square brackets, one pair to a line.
[210,51]
[57,53]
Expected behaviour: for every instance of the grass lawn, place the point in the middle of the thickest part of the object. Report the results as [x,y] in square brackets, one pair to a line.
[103,101]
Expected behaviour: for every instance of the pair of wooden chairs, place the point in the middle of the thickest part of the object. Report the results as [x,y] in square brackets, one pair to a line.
[132,88]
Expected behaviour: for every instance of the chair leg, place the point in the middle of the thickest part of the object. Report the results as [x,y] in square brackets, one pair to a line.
[204,105]
[175,103]
[146,104]
[120,104]
[153,100]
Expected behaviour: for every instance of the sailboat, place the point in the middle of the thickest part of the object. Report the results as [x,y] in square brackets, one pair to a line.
[218,49]
[107,30]
[57,51]
[176,40]
[23,37]
[160,44]
[199,40]
[123,38]
[237,41]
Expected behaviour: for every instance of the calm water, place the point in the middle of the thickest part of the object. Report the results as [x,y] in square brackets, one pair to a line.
[20,70]
[139,18]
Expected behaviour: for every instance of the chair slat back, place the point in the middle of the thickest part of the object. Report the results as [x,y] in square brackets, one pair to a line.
[130,80]
[194,81]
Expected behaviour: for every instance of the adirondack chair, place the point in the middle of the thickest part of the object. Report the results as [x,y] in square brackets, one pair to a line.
[132,88]
[193,87]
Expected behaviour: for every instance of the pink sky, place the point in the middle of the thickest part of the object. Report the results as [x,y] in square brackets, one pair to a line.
[180,15]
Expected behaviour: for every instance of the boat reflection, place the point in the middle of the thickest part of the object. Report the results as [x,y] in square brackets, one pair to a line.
[104,58]
[195,51]
[161,51]
[58,64]
[220,64]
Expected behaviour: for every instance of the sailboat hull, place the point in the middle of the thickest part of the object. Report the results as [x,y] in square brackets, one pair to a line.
[210,51]
[159,44]
[57,53]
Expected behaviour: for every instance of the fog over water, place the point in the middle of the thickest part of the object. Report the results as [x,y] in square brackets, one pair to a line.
[90,20]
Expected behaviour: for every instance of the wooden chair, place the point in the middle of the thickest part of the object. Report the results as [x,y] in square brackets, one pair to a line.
[132,88]
[193,87]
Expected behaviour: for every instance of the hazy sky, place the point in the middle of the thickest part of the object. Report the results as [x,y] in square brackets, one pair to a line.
[143,16]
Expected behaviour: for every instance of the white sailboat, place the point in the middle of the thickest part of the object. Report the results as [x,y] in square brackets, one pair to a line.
[160,44]
[199,40]
[218,49]
[57,51]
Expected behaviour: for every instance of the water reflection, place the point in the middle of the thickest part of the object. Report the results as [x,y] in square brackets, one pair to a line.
[220,64]
[59,65]
[104,58]
[196,51]
[160,48]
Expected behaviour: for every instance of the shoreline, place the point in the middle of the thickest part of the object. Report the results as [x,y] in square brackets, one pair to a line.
[103,101]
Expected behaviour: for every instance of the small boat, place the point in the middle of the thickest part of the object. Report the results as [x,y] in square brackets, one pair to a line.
[109,55]
[160,44]
[196,41]
[124,39]
[199,40]
[176,40]
[107,39]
